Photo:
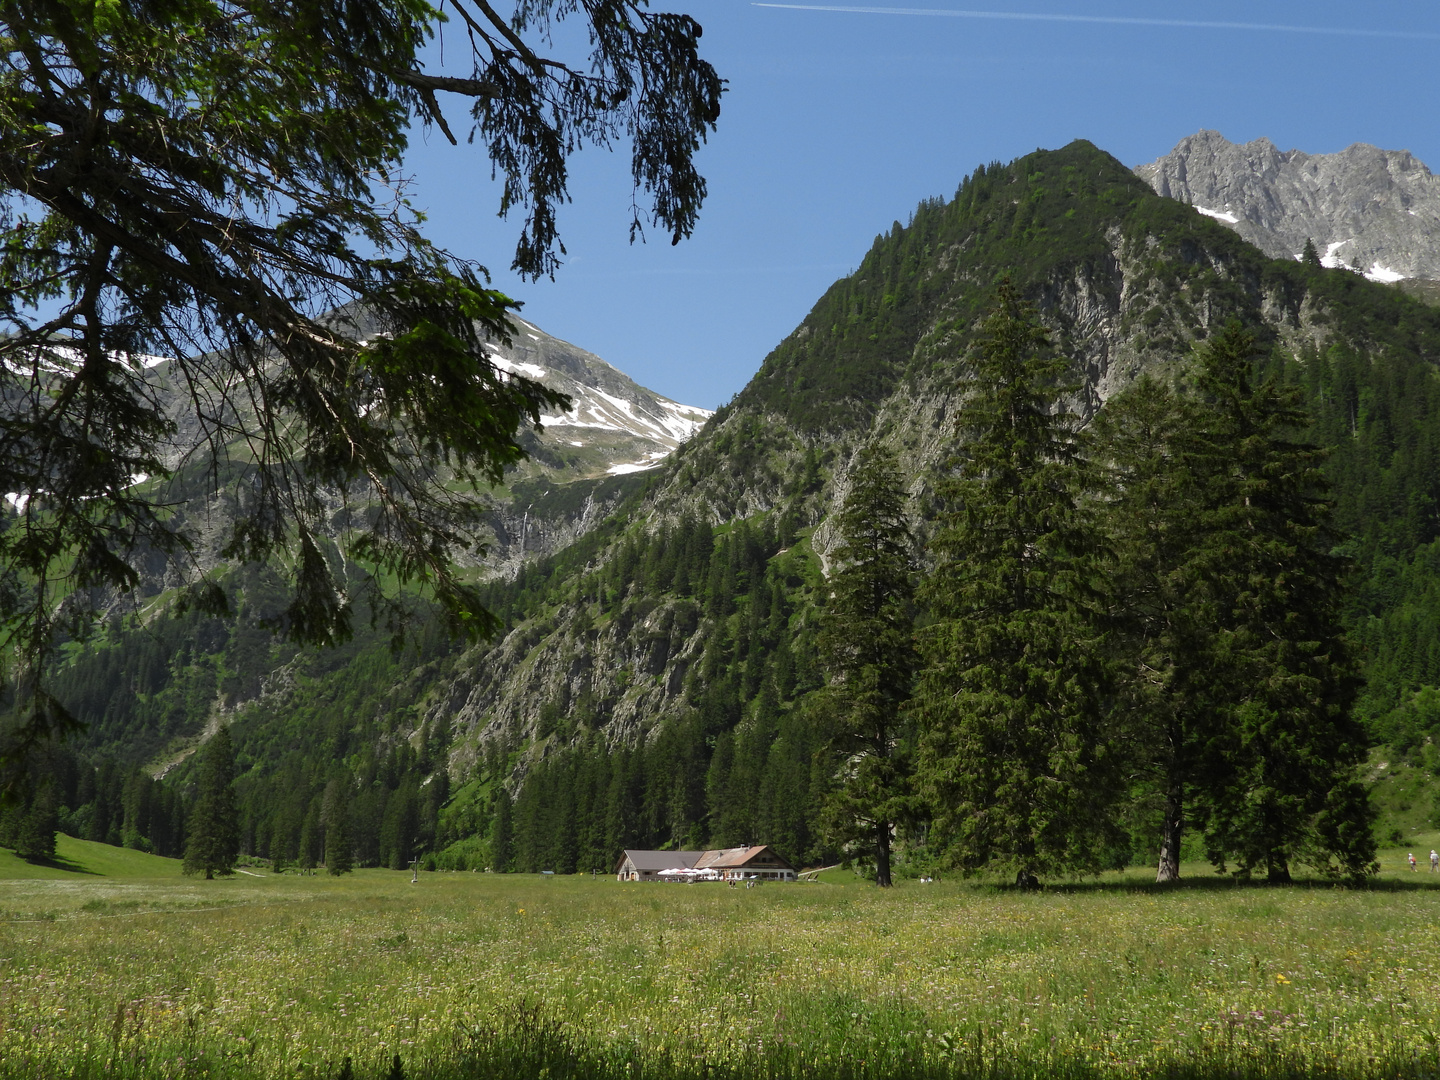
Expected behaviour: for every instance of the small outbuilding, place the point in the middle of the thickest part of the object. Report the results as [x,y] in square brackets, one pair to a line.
[758,862]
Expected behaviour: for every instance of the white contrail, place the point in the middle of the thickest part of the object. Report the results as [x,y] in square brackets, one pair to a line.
[1110,20]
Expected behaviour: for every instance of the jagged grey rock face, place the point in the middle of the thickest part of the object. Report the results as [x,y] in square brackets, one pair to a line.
[1378,209]
[503,691]
[614,427]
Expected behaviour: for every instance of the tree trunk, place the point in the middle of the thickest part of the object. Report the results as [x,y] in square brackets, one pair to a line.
[1025,878]
[1279,870]
[882,854]
[1170,832]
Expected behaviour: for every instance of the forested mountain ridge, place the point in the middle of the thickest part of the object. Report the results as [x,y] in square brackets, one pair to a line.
[1124,279]
[657,683]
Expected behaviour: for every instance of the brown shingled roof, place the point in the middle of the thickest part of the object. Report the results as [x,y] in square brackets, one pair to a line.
[736,858]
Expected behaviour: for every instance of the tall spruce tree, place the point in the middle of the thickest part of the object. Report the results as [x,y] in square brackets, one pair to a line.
[35,836]
[1279,783]
[867,645]
[309,853]
[339,836]
[502,832]
[214,839]
[1014,696]
[1165,631]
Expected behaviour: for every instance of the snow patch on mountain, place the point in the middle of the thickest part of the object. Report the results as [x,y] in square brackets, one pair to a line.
[1219,215]
[1331,259]
[631,427]
[638,466]
[504,363]
[661,419]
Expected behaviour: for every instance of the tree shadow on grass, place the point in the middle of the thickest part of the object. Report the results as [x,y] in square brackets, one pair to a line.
[55,862]
[1230,883]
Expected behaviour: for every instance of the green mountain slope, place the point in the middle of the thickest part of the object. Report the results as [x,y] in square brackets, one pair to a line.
[85,858]
[652,687]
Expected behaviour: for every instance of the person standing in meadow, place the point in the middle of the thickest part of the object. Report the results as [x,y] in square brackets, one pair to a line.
[1434,860]
[1412,862]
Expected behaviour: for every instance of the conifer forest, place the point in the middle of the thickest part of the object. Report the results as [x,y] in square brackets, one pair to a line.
[1129,612]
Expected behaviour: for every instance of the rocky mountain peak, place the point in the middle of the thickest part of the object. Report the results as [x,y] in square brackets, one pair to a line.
[1378,210]
[614,425]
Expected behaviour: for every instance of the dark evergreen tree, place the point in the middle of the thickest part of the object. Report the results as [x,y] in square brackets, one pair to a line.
[622,802]
[35,835]
[595,853]
[502,835]
[310,853]
[339,845]
[1014,698]
[867,644]
[214,839]
[787,814]
[367,813]
[528,816]
[104,810]
[563,846]
[400,828]
[1310,257]
[1282,783]
[1165,640]
[179,821]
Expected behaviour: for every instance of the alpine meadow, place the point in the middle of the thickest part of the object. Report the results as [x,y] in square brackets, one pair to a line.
[1059,601]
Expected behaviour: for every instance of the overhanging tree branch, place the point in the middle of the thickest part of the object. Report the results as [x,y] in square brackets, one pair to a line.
[204,179]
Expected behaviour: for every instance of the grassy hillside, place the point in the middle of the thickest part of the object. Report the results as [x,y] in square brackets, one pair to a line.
[75,859]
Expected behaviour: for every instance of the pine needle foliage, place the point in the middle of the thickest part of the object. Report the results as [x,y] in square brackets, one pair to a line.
[867,644]
[214,840]
[1281,782]
[1013,699]
[220,183]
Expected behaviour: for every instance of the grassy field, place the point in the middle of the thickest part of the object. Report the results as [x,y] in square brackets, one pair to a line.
[509,976]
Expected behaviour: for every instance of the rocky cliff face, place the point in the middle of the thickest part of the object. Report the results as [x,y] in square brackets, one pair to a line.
[1366,208]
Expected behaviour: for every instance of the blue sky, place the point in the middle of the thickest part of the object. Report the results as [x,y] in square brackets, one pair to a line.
[837,123]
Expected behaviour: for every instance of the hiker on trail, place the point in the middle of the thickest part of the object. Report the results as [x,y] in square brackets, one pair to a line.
[1412,861]
[1434,860]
